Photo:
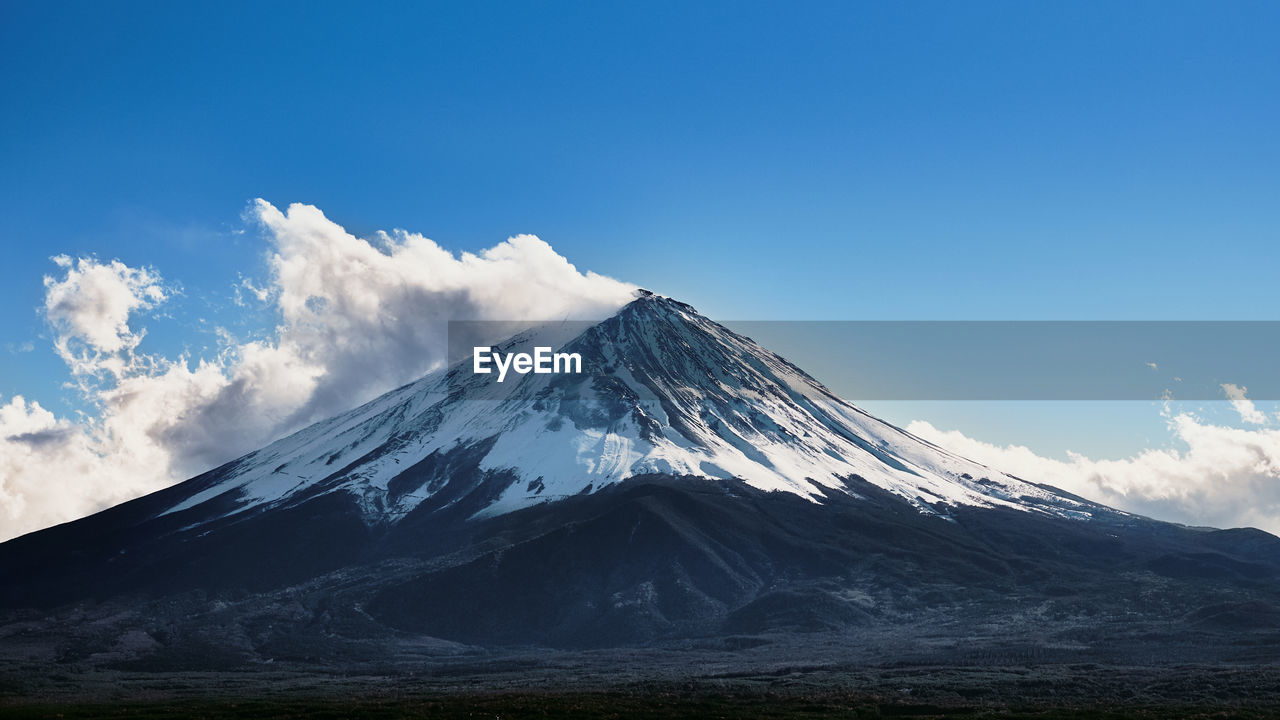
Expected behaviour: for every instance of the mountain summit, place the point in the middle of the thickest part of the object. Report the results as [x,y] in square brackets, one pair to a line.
[664,391]
[686,485]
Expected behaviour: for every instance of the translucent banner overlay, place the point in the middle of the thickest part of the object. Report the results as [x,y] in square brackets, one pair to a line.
[982,360]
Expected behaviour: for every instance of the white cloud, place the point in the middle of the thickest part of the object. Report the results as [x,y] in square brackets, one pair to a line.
[1224,477]
[261,294]
[89,310]
[1243,405]
[355,319]
[53,470]
[374,317]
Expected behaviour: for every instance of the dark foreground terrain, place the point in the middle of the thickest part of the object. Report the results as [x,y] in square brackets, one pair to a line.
[868,609]
[771,676]
[581,688]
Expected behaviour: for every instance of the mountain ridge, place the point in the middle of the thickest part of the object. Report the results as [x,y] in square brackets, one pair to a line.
[688,486]
[664,391]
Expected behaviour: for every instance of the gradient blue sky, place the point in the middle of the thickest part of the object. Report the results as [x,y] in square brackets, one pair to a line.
[914,160]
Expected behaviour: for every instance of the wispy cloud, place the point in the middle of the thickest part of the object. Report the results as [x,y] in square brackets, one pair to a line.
[1243,405]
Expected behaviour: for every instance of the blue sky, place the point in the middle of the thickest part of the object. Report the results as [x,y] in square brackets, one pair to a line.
[916,160]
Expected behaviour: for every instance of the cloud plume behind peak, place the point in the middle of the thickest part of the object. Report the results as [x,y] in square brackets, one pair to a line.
[354,318]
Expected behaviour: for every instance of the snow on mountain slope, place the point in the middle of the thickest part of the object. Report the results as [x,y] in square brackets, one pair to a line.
[663,390]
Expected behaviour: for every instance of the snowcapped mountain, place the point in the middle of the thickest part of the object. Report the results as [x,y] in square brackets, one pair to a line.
[664,391]
[687,485]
